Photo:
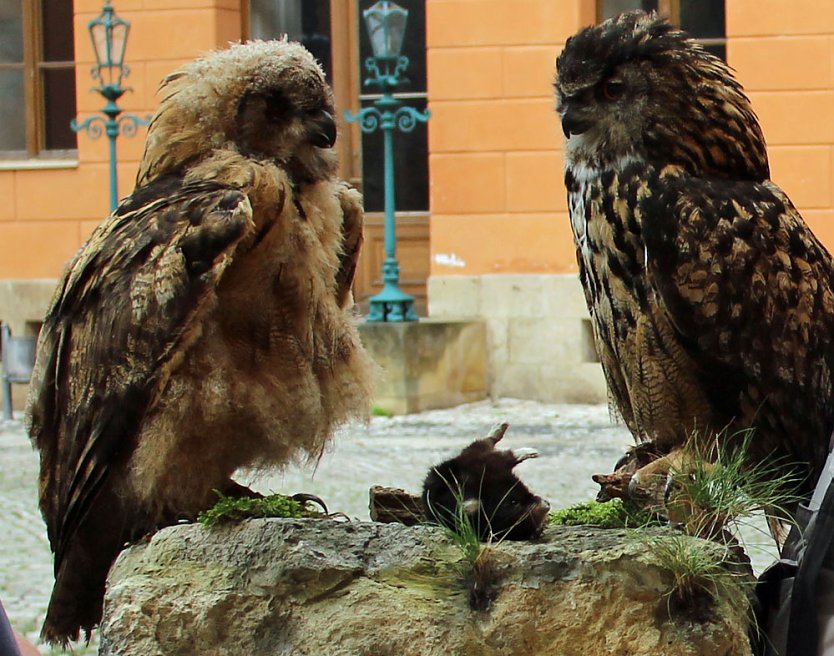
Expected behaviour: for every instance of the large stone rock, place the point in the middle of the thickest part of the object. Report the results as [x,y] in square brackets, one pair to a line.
[327,588]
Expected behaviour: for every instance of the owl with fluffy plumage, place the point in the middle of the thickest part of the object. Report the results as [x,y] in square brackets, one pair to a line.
[206,325]
[712,302]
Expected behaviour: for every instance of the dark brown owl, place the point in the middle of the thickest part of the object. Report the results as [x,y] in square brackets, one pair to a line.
[711,300]
[207,323]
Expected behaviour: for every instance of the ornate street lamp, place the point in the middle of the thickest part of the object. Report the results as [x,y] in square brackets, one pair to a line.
[386,27]
[109,33]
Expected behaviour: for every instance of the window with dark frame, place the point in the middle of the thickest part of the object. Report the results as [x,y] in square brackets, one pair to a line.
[411,151]
[305,21]
[322,26]
[609,8]
[703,19]
[309,22]
[37,79]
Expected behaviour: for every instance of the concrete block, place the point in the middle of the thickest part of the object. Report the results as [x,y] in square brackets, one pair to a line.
[23,303]
[427,364]
[498,331]
[539,340]
[513,295]
[520,381]
[586,384]
[454,297]
[563,296]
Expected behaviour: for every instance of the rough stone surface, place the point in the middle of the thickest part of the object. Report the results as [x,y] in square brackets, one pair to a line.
[322,588]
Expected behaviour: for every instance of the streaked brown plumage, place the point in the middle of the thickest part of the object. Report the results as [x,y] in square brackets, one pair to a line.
[206,325]
[711,300]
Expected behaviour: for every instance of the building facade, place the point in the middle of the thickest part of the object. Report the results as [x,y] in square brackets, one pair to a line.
[483,228]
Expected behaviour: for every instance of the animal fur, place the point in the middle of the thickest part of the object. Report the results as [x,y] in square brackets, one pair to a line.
[479,486]
[206,325]
[711,300]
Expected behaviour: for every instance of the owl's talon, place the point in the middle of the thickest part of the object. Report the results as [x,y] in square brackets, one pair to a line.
[667,490]
[304,498]
[633,487]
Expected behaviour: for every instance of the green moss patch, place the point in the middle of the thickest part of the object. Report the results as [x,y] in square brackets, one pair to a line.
[233,509]
[608,514]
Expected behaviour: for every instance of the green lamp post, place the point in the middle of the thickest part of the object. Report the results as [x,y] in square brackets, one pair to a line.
[109,33]
[386,27]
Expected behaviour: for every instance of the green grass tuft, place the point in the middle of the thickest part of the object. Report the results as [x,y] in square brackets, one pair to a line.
[477,567]
[704,575]
[716,486]
[377,411]
[234,509]
[610,514]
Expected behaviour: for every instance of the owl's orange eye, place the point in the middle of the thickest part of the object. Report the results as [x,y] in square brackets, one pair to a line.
[612,90]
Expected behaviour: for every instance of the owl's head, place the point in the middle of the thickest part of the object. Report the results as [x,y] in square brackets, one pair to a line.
[636,88]
[265,99]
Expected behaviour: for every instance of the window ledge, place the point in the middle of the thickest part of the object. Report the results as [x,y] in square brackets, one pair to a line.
[37,164]
[401,214]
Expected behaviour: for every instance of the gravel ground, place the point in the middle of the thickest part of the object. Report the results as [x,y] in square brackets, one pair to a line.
[574,442]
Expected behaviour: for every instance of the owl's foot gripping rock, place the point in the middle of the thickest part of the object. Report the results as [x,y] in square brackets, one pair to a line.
[643,476]
[238,491]
[303,498]
[666,486]
[617,483]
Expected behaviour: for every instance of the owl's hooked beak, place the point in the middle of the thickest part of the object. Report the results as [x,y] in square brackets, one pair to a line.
[572,124]
[322,129]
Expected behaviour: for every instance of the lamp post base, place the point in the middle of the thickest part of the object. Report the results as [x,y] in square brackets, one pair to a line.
[392,304]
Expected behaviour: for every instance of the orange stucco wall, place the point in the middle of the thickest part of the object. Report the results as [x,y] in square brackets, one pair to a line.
[47,213]
[497,198]
[783,54]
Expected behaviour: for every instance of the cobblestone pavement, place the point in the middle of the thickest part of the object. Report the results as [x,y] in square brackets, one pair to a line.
[574,441]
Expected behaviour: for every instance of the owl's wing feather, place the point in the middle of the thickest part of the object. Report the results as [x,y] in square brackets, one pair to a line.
[352,237]
[130,303]
[749,289]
